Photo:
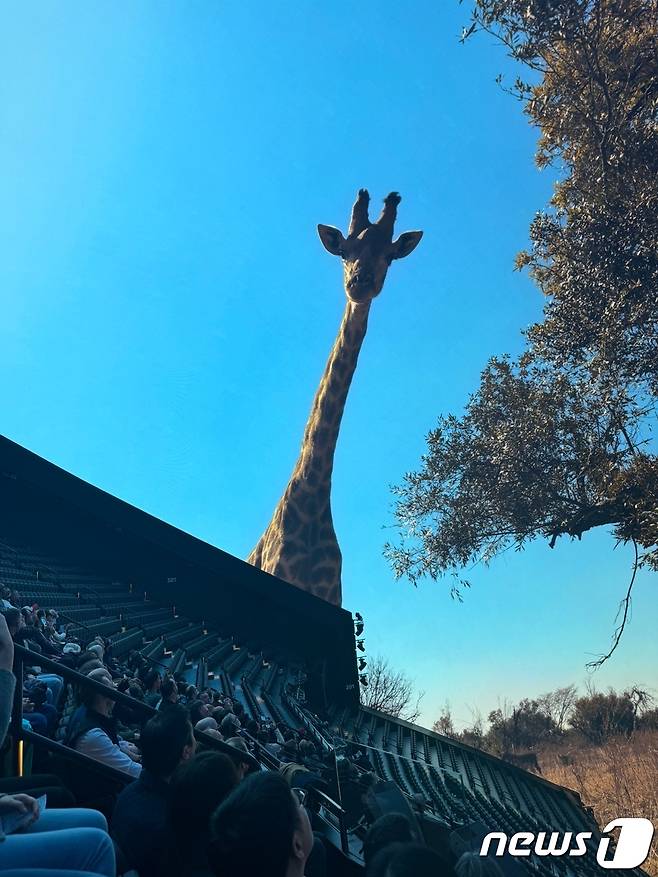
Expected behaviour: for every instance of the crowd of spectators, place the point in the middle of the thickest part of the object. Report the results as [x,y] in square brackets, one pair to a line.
[197,801]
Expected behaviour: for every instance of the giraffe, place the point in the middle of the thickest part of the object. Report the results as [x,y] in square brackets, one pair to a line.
[299,544]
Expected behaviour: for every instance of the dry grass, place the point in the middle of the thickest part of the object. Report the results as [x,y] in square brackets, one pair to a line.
[618,779]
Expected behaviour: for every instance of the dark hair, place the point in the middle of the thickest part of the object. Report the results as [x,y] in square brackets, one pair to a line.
[471,865]
[252,830]
[307,748]
[198,787]
[149,678]
[389,828]
[163,739]
[195,709]
[406,860]
[168,687]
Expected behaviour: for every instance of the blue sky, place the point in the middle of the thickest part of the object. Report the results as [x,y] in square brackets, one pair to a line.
[168,308]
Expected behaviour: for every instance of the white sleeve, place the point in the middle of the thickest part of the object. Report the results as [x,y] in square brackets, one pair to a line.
[96,744]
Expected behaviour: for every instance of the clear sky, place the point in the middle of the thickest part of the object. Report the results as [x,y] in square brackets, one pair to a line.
[167,307]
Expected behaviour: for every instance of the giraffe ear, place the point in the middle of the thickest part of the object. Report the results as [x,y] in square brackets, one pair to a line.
[332,239]
[405,244]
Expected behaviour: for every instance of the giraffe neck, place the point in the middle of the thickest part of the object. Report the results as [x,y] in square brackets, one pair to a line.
[321,433]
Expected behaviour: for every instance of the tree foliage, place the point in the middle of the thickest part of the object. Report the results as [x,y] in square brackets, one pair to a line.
[526,726]
[391,691]
[559,441]
[557,717]
[601,716]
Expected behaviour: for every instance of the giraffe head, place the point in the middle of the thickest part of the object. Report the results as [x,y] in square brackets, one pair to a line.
[369,248]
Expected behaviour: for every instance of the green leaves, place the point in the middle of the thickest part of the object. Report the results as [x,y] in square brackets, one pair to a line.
[558,442]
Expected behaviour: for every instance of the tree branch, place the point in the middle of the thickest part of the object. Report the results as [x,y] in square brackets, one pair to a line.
[625,605]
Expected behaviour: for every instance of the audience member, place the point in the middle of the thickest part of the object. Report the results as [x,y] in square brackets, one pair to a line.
[389,828]
[168,693]
[7,678]
[139,823]
[72,840]
[152,683]
[198,787]
[198,710]
[406,860]
[93,731]
[260,829]
[240,756]
[56,841]
[471,864]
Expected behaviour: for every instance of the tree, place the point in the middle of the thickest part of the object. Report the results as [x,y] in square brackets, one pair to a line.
[475,736]
[524,727]
[444,724]
[558,704]
[391,691]
[600,716]
[557,443]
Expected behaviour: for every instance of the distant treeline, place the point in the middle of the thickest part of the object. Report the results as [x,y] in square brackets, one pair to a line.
[563,715]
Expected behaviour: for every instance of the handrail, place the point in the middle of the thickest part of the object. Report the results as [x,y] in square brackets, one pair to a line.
[339,813]
[65,672]
[90,631]
[20,734]
[78,757]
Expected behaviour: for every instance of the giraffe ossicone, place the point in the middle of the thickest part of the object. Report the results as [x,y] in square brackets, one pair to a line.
[299,544]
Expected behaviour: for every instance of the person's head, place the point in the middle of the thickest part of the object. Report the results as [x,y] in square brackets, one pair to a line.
[238,709]
[28,616]
[229,725]
[261,828]
[89,664]
[219,713]
[199,786]
[97,701]
[239,747]
[169,690]
[166,741]
[135,690]
[307,749]
[473,865]
[406,860]
[152,681]
[198,710]
[252,727]
[51,616]
[96,649]
[14,619]
[389,828]
[100,674]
